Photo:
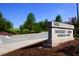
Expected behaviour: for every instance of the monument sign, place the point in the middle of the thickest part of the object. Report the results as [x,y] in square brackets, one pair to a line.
[59,32]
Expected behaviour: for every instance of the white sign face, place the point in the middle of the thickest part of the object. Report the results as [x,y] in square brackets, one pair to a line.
[60,32]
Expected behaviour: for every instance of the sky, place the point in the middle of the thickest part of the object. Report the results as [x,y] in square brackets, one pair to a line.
[17,12]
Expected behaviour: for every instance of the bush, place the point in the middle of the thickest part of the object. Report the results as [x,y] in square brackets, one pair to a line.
[24,31]
[77,35]
[37,28]
[14,31]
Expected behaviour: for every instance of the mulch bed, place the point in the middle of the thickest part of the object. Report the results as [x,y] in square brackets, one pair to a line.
[70,48]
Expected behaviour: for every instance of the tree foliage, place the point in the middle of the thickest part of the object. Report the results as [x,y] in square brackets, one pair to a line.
[58,18]
[74,21]
[4,23]
[43,25]
[37,28]
[34,26]
[46,24]
[30,21]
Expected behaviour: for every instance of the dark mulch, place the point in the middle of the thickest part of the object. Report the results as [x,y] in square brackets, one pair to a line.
[70,48]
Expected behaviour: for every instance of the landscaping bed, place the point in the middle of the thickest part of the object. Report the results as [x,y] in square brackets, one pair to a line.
[70,48]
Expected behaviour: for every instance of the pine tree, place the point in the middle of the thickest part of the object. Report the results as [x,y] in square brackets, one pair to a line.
[58,18]
[30,21]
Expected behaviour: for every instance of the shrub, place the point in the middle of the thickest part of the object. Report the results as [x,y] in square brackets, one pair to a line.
[37,28]
[77,35]
[24,31]
[14,31]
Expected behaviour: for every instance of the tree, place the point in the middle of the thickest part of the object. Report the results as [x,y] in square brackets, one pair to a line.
[74,21]
[9,25]
[21,27]
[46,24]
[32,26]
[1,16]
[30,21]
[41,24]
[4,24]
[58,18]
[37,28]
